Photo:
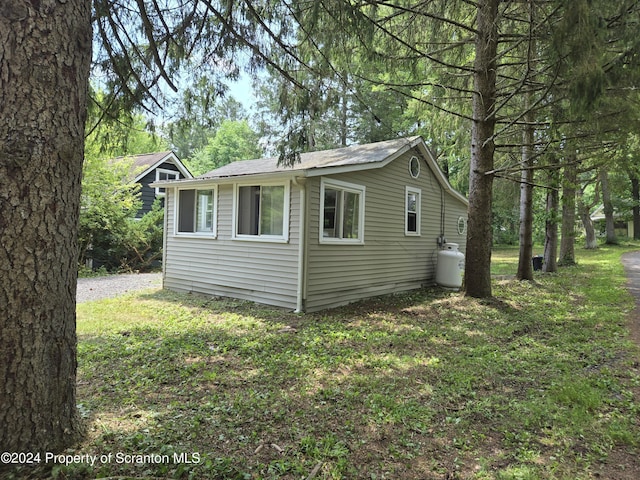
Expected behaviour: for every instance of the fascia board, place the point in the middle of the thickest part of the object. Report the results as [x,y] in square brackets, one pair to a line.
[257,178]
[170,157]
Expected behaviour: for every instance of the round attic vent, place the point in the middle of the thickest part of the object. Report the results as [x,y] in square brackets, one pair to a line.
[414,166]
[462,225]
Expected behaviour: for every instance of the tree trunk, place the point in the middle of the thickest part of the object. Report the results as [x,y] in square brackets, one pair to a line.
[45,53]
[610,226]
[525,268]
[635,193]
[591,241]
[479,236]
[344,113]
[549,263]
[567,250]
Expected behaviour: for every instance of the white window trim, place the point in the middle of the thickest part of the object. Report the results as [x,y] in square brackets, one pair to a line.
[462,225]
[348,187]
[284,238]
[418,192]
[176,213]
[176,173]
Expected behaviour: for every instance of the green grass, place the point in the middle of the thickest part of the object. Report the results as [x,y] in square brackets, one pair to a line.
[538,383]
[504,260]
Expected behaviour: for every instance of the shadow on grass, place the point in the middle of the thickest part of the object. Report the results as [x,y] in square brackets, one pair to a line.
[421,385]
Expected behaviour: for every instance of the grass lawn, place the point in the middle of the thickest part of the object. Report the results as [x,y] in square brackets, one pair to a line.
[539,383]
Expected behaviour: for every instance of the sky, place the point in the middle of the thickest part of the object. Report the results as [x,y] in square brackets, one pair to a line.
[242,91]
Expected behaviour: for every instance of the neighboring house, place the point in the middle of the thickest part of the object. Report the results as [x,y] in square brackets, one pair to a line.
[338,226]
[623,227]
[154,167]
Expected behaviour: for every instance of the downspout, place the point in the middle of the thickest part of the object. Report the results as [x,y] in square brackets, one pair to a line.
[302,244]
[165,233]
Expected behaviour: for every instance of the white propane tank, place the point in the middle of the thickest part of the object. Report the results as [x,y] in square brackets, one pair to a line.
[450,266]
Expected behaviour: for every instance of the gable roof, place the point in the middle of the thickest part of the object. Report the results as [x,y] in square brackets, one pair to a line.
[144,163]
[326,162]
[351,157]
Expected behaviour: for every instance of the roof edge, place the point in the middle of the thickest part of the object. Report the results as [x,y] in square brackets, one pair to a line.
[170,156]
[412,142]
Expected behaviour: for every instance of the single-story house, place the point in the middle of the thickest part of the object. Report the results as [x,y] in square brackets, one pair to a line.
[338,226]
[153,167]
[623,224]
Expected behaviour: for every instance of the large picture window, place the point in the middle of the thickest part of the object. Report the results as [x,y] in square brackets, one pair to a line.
[262,211]
[196,211]
[342,212]
[412,217]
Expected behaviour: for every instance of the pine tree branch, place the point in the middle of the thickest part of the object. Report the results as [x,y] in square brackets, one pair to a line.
[422,13]
[256,51]
[148,29]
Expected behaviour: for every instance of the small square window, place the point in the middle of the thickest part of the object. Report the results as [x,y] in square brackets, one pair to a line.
[261,211]
[342,212]
[196,211]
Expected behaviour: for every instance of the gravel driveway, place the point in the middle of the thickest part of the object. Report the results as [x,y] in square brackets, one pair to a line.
[97,288]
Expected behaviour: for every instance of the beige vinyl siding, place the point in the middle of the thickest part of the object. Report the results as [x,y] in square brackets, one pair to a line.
[455,210]
[389,260]
[260,271]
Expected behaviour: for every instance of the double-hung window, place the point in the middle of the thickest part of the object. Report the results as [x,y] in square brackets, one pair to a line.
[412,215]
[262,212]
[196,211]
[341,212]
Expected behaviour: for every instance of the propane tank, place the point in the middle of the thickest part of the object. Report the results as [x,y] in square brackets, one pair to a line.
[450,265]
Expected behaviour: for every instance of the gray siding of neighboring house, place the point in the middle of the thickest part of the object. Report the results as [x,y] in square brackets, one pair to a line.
[263,272]
[388,261]
[147,193]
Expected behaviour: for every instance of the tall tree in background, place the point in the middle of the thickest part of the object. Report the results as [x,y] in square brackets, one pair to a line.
[232,141]
[566,256]
[198,113]
[45,54]
[552,202]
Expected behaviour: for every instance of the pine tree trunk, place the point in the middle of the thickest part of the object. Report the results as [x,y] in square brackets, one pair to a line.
[610,227]
[45,52]
[344,113]
[567,250]
[591,241]
[549,263]
[525,267]
[479,235]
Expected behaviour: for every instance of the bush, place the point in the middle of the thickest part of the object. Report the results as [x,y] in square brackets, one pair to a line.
[110,237]
[123,243]
[142,242]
